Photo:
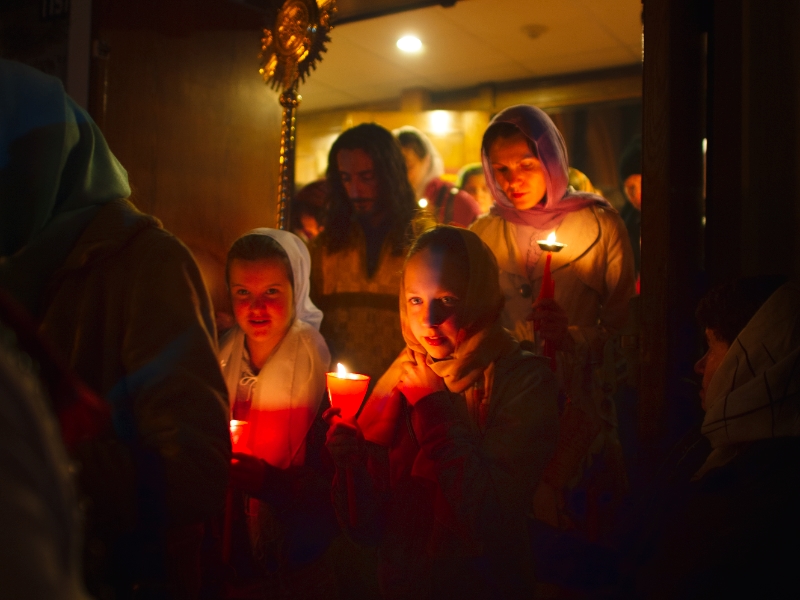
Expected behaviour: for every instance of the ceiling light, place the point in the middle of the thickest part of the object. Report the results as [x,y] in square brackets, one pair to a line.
[409,43]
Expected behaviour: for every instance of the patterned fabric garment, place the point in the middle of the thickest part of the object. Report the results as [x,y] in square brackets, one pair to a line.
[755,393]
[362,323]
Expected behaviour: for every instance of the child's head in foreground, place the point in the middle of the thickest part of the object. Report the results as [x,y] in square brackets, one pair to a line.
[450,289]
[261,283]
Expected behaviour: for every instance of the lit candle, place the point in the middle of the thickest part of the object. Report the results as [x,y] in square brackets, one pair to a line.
[240,432]
[347,390]
[548,289]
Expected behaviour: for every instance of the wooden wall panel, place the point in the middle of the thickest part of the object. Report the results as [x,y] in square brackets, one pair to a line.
[198,131]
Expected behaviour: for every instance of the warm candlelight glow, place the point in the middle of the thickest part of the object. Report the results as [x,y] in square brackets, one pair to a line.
[240,432]
[550,244]
[347,390]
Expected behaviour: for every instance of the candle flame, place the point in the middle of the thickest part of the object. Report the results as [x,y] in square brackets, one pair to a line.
[551,239]
[341,371]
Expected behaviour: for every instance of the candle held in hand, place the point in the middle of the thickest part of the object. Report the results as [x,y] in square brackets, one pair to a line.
[548,289]
[549,245]
[347,390]
[240,432]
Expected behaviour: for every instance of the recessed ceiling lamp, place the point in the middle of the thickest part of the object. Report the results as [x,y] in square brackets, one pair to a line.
[409,43]
[534,30]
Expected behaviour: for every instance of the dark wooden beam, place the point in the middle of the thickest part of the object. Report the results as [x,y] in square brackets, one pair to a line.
[725,176]
[672,134]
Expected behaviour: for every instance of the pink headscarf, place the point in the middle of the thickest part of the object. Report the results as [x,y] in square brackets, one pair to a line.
[560,199]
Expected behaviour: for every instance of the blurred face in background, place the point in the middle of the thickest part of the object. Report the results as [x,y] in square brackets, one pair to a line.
[518,171]
[416,167]
[475,186]
[309,228]
[633,190]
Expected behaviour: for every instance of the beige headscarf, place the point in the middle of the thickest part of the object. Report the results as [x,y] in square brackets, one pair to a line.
[481,341]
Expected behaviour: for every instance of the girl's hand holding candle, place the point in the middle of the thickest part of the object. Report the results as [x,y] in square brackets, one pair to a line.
[248,473]
[346,391]
[344,440]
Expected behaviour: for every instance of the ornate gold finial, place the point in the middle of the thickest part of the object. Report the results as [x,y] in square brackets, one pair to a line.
[291,48]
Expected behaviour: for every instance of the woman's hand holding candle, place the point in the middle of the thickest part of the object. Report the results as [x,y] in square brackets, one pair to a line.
[418,380]
[551,322]
[549,319]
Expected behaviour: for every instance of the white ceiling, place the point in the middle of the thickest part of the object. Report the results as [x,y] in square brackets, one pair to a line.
[471,43]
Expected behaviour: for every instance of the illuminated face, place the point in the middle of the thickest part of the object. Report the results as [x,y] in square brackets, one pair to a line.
[434,291]
[633,190]
[357,172]
[416,167]
[517,171]
[475,186]
[709,363]
[262,299]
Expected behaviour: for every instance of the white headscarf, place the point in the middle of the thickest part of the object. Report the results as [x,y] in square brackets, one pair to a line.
[300,259]
[435,164]
[288,391]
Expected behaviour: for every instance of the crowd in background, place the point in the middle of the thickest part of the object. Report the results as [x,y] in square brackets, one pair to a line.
[488,459]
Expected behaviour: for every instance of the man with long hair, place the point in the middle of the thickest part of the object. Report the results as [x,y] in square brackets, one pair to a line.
[356,261]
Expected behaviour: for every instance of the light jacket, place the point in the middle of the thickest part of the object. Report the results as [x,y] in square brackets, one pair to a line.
[593,274]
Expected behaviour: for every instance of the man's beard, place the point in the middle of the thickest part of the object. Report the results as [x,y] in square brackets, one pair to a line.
[364,207]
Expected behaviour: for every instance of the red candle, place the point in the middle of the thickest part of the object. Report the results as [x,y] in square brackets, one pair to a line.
[548,285]
[240,432]
[347,391]
[548,289]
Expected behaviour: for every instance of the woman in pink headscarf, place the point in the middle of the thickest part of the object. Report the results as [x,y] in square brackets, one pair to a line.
[527,171]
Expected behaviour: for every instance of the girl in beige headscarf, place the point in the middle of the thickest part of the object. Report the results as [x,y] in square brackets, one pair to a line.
[446,451]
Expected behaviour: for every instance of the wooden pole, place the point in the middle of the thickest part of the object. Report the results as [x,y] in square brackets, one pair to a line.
[289,100]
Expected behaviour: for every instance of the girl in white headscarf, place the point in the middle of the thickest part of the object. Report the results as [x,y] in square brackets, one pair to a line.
[274,362]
